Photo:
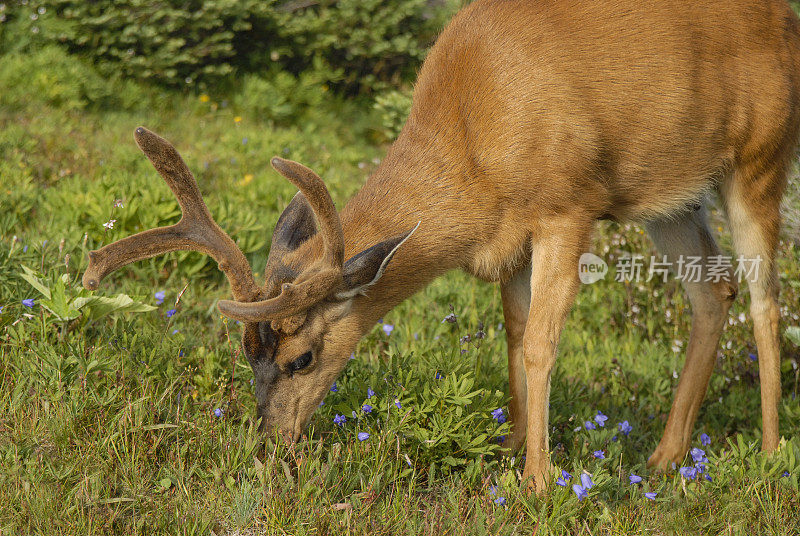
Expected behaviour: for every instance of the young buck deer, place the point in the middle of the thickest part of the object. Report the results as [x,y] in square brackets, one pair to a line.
[531,120]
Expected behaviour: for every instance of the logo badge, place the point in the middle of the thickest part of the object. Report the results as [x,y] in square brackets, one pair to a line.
[591,268]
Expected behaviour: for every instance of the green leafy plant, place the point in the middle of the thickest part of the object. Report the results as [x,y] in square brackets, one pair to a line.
[69,302]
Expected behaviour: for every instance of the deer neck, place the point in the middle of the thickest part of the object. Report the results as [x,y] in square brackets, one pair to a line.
[414,184]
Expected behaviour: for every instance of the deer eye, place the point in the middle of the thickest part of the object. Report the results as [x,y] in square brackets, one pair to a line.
[300,363]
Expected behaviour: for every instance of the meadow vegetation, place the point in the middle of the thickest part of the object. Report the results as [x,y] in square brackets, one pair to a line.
[130,410]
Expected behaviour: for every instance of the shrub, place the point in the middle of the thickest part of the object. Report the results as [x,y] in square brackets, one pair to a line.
[281,98]
[376,43]
[172,43]
[51,76]
[394,107]
[355,44]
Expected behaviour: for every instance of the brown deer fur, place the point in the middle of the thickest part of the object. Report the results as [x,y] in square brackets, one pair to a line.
[532,120]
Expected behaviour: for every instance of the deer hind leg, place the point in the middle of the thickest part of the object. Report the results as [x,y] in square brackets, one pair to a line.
[688,235]
[752,201]
[554,284]
[516,294]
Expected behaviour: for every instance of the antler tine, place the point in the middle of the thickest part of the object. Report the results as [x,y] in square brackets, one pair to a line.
[319,198]
[293,299]
[196,230]
[297,297]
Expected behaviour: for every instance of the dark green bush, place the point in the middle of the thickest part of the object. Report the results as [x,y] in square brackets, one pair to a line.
[354,44]
[374,42]
[169,42]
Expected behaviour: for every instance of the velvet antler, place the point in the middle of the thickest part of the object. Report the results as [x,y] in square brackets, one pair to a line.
[312,287]
[196,230]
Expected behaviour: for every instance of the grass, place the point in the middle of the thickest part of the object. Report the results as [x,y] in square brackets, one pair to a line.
[141,422]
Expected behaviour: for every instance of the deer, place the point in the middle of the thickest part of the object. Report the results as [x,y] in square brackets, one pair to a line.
[530,122]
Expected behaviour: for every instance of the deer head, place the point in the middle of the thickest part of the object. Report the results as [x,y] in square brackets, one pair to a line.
[298,330]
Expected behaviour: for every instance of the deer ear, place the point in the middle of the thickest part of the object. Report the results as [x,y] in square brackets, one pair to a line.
[365,269]
[296,225]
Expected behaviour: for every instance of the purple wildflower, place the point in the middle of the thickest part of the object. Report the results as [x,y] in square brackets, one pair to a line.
[698,455]
[580,491]
[635,479]
[334,388]
[370,392]
[498,415]
[689,473]
[171,313]
[339,419]
[218,412]
[589,425]
[561,482]
[500,501]
[651,495]
[492,490]
[600,418]
[786,474]
[366,408]
[388,328]
[397,403]
[753,357]
[363,436]
[599,454]
[565,475]
[625,427]
[704,439]
[586,481]
[700,466]
[160,297]
[28,303]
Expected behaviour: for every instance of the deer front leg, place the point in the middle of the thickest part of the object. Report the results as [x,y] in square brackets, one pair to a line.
[554,283]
